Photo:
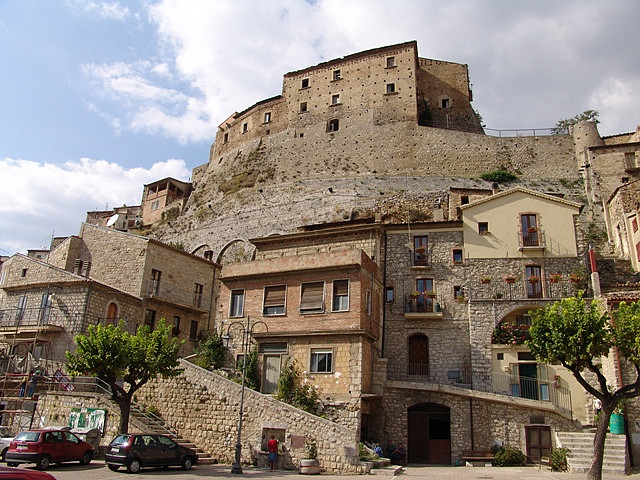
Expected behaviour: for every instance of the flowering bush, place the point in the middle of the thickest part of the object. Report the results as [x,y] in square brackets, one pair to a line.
[555,278]
[508,333]
[510,279]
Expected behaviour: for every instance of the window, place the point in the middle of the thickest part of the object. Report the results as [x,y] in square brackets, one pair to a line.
[226,138]
[457,255]
[150,318]
[499,356]
[22,306]
[333,125]
[155,204]
[336,75]
[391,88]
[3,277]
[524,319]
[45,308]
[389,294]
[464,199]
[420,250]
[391,62]
[280,347]
[424,302]
[197,295]
[305,83]
[312,297]
[533,281]
[445,103]
[208,255]
[335,99]
[529,226]
[236,306]
[245,127]
[483,228]
[634,224]
[155,282]
[274,300]
[340,295]
[458,292]
[368,302]
[24,272]
[87,269]
[175,330]
[418,355]
[267,117]
[193,331]
[303,107]
[321,360]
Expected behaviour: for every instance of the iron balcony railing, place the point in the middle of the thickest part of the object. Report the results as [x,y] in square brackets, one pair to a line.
[520,288]
[422,303]
[40,316]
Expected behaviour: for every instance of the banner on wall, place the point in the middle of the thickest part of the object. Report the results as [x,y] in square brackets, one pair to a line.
[82,418]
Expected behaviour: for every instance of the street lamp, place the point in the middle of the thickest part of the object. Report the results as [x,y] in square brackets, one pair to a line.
[247,333]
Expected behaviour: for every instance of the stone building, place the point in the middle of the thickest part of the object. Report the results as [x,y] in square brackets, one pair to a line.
[124,218]
[163,199]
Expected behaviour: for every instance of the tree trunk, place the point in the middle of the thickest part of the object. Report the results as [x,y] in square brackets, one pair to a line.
[125,410]
[595,473]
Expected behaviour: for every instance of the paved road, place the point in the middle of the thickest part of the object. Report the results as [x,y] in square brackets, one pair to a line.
[97,471]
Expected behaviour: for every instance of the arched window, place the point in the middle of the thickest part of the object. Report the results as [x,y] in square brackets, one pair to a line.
[418,356]
[111,317]
[333,125]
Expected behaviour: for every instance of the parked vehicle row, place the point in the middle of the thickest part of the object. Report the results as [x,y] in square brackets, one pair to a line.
[132,451]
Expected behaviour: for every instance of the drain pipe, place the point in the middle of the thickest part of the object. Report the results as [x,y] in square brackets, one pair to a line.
[471,422]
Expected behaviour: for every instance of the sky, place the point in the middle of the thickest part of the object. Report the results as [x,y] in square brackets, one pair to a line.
[101,97]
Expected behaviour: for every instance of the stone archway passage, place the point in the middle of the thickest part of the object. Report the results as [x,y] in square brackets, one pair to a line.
[429,434]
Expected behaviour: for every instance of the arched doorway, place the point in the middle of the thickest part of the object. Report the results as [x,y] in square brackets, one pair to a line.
[112,314]
[418,356]
[429,434]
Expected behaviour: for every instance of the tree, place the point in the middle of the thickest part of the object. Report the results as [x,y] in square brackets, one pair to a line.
[211,351]
[111,354]
[577,334]
[294,390]
[562,125]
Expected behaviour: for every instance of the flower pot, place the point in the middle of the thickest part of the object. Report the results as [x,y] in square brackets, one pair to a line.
[309,466]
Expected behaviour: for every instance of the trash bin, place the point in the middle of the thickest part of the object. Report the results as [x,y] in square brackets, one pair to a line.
[616,424]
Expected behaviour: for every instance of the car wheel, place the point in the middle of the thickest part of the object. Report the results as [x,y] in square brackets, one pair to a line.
[134,466]
[112,467]
[187,462]
[86,458]
[43,462]
[4,454]
[12,464]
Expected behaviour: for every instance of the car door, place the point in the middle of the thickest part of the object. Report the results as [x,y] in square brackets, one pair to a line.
[169,451]
[150,450]
[53,445]
[73,447]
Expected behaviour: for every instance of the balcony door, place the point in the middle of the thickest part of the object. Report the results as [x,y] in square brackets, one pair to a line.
[418,356]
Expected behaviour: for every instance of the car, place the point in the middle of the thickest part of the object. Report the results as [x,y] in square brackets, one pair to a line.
[46,446]
[10,473]
[137,450]
[5,440]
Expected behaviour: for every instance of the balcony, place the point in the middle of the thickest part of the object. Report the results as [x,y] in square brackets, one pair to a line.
[531,240]
[31,319]
[547,288]
[422,306]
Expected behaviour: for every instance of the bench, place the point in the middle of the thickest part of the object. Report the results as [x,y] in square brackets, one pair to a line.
[472,456]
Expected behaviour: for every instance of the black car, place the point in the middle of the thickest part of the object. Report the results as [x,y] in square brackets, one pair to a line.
[138,450]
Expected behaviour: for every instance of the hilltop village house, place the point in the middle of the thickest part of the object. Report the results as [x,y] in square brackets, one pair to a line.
[403,295]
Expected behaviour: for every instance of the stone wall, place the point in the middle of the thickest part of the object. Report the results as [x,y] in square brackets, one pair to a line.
[208,415]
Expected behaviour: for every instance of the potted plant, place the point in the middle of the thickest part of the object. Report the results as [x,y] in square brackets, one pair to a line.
[534,279]
[532,229]
[575,278]
[415,294]
[485,280]
[310,465]
[555,278]
[510,279]
[429,294]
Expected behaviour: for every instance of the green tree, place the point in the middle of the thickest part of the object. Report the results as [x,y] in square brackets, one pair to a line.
[577,334]
[252,374]
[293,389]
[211,352]
[111,354]
[562,125]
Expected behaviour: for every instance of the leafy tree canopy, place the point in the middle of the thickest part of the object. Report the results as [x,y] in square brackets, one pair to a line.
[562,125]
[111,354]
[501,175]
[211,351]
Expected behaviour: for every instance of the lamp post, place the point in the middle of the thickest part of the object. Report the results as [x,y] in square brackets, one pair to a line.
[247,334]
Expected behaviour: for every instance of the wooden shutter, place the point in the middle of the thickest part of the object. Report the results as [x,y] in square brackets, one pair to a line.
[274,296]
[312,296]
[341,287]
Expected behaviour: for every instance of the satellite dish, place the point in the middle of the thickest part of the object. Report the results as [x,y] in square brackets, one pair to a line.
[112,220]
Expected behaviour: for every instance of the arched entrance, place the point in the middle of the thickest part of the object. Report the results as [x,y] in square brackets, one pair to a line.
[429,434]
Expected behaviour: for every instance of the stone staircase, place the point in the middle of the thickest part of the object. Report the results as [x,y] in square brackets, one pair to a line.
[149,423]
[580,456]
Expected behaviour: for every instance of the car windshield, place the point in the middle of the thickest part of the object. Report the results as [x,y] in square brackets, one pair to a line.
[28,436]
[120,440]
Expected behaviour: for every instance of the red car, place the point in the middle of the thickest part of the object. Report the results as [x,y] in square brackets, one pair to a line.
[43,447]
[8,473]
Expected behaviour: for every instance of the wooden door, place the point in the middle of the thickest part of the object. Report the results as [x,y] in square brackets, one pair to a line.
[429,434]
[538,441]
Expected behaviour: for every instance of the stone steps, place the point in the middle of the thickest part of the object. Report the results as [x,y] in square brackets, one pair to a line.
[580,455]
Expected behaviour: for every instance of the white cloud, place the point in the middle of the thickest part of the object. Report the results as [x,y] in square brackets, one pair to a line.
[42,197]
[617,101]
[105,10]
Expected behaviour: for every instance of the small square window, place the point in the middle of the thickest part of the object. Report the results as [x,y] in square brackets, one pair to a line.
[464,199]
[457,255]
[321,360]
[24,272]
[333,125]
[305,83]
[391,88]
[391,62]
[236,306]
[499,356]
[389,294]
[458,293]
[303,107]
[483,228]
[445,103]
[336,75]
[245,127]
[226,138]
[267,117]
[335,99]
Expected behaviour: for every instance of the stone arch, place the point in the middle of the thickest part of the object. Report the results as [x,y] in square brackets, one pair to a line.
[429,433]
[205,251]
[229,246]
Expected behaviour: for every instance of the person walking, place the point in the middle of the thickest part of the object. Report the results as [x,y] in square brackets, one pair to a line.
[272,446]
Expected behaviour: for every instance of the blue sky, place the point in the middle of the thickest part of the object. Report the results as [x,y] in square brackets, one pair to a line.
[101,97]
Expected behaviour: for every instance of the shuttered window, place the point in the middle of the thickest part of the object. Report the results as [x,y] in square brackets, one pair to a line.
[312,297]
[340,295]
[274,300]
